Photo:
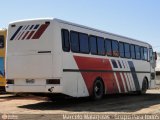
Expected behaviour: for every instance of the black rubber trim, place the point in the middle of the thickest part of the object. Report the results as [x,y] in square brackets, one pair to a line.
[82,70]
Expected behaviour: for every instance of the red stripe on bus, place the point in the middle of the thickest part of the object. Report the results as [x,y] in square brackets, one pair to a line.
[88,63]
[110,83]
[30,35]
[40,31]
[120,81]
[25,35]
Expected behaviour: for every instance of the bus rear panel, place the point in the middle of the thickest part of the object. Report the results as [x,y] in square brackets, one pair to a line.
[29,60]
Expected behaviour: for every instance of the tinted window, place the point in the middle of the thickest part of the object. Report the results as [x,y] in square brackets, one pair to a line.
[133,55]
[84,44]
[108,47]
[115,48]
[65,40]
[74,41]
[100,44]
[121,49]
[93,44]
[145,54]
[137,50]
[127,50]
[142,53]
[1,41]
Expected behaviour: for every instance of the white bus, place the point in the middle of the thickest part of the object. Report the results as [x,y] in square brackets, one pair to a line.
[56,56]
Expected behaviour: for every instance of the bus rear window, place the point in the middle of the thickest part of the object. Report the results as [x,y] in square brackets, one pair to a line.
[1,41]
[65,40]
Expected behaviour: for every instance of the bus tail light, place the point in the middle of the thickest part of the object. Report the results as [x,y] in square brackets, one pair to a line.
[53,81]
[10,81]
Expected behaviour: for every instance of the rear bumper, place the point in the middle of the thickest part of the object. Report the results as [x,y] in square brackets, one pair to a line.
[34,88]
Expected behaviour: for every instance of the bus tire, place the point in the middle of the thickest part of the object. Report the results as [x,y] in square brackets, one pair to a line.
[98,89]
[144,86]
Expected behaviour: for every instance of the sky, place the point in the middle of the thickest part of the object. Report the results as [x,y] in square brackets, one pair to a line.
[138,19]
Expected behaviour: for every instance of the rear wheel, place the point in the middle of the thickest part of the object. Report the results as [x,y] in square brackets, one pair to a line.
[98,90]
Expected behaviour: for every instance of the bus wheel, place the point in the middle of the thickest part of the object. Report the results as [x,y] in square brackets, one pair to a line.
[144,86]
[98,90]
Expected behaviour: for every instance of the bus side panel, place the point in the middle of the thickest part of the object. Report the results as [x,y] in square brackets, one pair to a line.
[142,69]
[123,78]
[73,82]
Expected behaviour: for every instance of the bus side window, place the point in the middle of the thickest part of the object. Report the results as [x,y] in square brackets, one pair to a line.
[84,43]
[151,55]
[142,53]
[133,52]
[115,50]
[74,41]
[145,54]
[65,40]
[121,49]
[108,47]
[127,50]
[1,41]
[138,55]
[93,45]
[100,44]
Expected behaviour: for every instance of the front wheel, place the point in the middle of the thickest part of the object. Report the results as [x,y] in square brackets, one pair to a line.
[144,87]
[98,90]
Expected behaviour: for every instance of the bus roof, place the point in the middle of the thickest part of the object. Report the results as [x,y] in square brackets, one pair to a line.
[101,31]
[82,26]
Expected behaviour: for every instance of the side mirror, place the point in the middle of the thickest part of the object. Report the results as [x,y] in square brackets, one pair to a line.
[155,55]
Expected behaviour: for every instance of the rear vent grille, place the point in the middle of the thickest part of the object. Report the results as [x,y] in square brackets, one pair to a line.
[53,81]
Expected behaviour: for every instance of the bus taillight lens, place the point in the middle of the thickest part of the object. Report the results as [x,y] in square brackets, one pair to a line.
[10,81]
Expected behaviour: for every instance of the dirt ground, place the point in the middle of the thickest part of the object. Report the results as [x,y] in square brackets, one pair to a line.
[111,104]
